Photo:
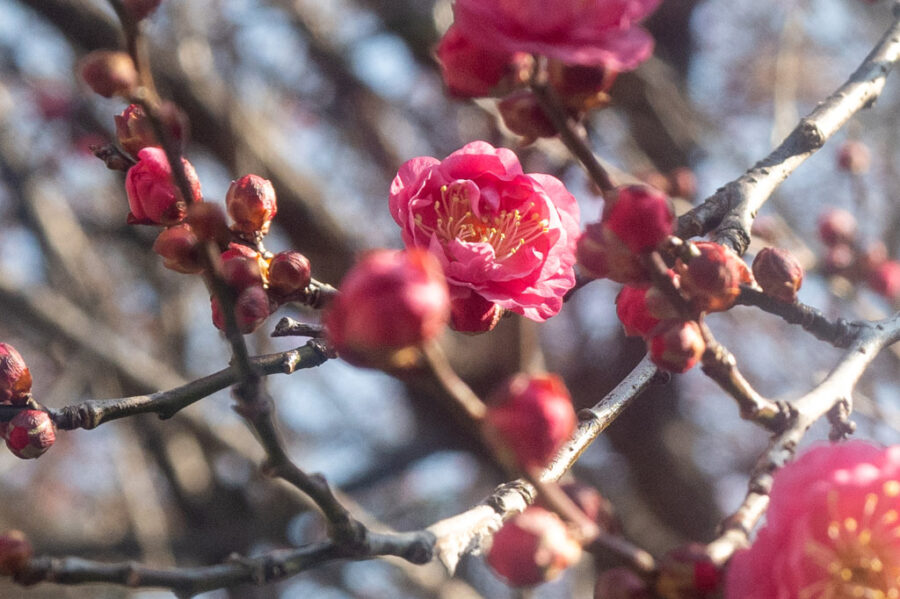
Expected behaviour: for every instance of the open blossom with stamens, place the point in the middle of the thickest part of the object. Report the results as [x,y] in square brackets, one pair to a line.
[832,529]
[502,236]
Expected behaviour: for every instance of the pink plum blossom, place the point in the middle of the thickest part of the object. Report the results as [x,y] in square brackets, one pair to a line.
[832,529]
[501,236]
[584,32]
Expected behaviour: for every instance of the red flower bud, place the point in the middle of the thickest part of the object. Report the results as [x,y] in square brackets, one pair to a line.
[688,573]
[15,551]
[141,9]
[134,131]
[179,249]
[208,222]
[15,378]
[603,255]
[532,547]
[885,280]
[469,70]
[242,266]
[30,433]
[778,273]
[875,254]
[251,203]
[837,226]
[529,418]
[676,345]
[621,583]
[473,314]
[853,157]
[390,301]
[524,116]
[152,194]
[289,273]
[713,279]
[109,72]
[640,309]
[251,308]
[640,216]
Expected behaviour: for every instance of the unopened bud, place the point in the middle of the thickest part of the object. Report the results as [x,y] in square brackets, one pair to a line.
[15,378]
[713,278]
[853,157]
[581,88]
[251,308]
[289,273]
[242,267]
[208,222]
[529,419]
[640,216]
[601,254]
[473,314]
[837,226]
[135,132]
[15,551]
[30,433]
[778,273]
[109,72]
[152,194]
[676,345]
[885,280]
[179,248]
[532,547]
[251,203]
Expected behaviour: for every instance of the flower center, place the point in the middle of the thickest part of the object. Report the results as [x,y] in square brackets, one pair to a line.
[506,231]
[859,558]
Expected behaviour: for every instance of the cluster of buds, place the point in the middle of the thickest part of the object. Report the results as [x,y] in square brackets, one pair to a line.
[30,432]
[637,221]
[391,302]
[847,257]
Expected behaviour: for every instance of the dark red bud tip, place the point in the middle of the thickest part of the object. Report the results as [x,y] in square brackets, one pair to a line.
[15,378]
[532,547]
[15,551]
[529,419]
[778,273]
[30,433]
[109,73]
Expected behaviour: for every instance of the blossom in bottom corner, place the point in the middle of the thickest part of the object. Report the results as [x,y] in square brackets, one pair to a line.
[832,529]
[503,237]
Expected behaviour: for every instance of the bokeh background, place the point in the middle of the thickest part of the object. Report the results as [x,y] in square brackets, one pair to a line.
[327,99]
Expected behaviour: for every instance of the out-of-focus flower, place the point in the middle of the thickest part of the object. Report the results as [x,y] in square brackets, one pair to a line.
[15,551]
[582,32]
[532,547]
[499,234]
[885,280]
[832,529]
[179,248]
[529,418]
[390,301]
[837,226]
[109,72]
[152,194]
[470,70]
[853,157]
